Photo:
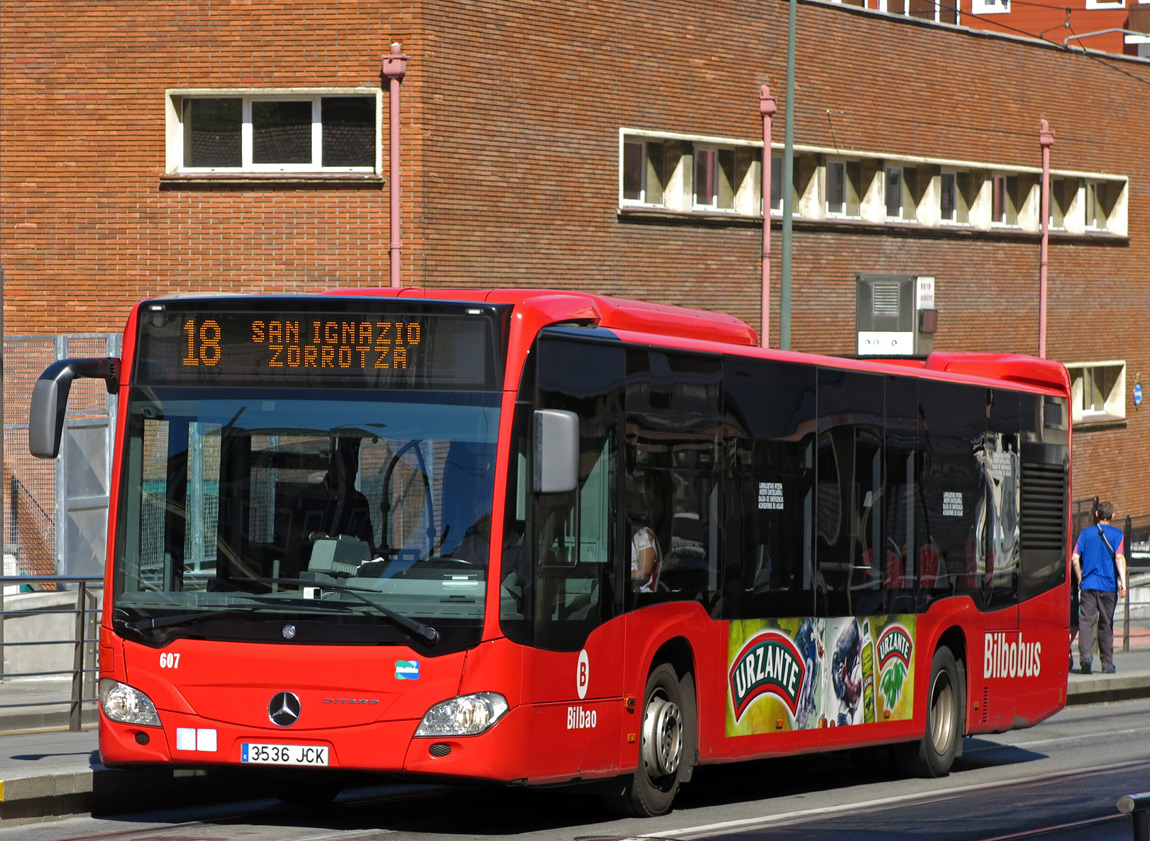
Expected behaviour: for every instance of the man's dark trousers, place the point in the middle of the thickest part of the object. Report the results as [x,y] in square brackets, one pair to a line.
[1097,606]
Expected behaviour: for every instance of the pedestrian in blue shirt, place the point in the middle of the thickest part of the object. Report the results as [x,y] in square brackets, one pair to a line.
[1100,567]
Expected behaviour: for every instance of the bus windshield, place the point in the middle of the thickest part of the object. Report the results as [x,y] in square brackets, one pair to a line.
[360,516]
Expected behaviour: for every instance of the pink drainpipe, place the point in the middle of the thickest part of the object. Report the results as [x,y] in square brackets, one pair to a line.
[1045,140]
[767,107]
[394,66]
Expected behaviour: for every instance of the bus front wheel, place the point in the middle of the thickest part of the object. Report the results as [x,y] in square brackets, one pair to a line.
[651,790]
[934,754]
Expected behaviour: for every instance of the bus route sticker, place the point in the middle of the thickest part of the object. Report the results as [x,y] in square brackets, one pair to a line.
[771,496]
[407,670]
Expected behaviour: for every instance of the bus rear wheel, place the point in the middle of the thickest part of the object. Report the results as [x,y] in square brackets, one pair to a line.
[934,754]
[651,790]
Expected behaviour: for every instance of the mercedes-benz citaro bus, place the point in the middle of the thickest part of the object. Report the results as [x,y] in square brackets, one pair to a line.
[543,537]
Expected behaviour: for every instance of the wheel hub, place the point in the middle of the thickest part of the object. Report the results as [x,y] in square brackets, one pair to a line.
[662,738]
[942,718]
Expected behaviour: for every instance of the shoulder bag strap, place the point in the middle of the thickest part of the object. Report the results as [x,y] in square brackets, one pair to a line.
[1106,543]
[1113,554]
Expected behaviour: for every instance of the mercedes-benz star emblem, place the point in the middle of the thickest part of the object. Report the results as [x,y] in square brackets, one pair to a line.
[288,632]
[284,709]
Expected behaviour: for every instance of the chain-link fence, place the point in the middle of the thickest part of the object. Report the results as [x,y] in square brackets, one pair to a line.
[55,512]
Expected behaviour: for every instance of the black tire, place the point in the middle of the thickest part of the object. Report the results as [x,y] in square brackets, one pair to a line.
[934,755]
[663,752]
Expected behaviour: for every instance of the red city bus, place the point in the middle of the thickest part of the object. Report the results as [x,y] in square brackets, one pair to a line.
[544,537]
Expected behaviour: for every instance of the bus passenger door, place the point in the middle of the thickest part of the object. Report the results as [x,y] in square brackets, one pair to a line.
[576,679]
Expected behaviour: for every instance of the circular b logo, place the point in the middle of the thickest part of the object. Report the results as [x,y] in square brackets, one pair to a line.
[584,674]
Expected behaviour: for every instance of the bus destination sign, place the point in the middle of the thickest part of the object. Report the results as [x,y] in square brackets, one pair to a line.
[416,349]
[327,343]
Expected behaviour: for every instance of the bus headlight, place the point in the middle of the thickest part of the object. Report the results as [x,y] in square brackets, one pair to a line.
[126,705]
[468,715]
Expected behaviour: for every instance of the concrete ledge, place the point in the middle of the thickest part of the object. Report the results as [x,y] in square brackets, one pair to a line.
[1098,689]
[60,793]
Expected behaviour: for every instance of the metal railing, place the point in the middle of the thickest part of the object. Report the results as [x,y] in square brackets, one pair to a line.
[1142,579]
[1135,805]
[83,640]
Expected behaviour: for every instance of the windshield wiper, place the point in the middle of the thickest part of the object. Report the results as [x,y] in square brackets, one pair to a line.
[152,623]
[426,633]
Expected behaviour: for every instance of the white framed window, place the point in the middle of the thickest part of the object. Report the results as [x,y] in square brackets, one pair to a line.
[843,188]
[1105,4]
[709,176]
[892,192]
[690,174]
[644,174]
[990,7]
[1098,391]
[922,9]
[898,192]
[1059,202]
[714,181]
[1096,202]
[1004,201]
[257,132]
[947,198]
[953,206]
[777,183]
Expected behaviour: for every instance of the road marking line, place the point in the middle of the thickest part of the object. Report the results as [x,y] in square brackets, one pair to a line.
[786,817]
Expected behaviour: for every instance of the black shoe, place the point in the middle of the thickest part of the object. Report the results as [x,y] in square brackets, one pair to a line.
[1109,670]
[1086,667]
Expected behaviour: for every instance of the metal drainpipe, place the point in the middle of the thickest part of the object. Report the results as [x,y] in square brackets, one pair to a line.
[1045,140]
[788,184]
[394,68]
[768,105]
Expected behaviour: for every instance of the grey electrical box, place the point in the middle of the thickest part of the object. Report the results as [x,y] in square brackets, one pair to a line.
[895,314]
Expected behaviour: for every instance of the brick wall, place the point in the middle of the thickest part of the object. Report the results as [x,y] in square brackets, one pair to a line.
[511,118]
[89,223]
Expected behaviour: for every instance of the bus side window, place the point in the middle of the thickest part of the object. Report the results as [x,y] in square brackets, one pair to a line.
[1001,462]
[691,564]
[907,564]
[953,484]
[647,522]
[674,446]
[769,490]
[852,548]
[671,517]
[769,513]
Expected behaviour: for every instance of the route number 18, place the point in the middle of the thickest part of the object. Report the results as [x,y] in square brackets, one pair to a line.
[203,342]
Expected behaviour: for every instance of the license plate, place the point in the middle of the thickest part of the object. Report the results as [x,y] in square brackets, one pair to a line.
[261,754]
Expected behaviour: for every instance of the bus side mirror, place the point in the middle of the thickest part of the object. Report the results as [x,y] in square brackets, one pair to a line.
[556,451]
[50,399]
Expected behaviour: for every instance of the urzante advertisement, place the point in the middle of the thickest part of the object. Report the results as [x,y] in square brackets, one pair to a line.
[799,674]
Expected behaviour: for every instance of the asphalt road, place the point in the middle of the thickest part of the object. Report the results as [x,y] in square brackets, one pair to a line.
[1060,780]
